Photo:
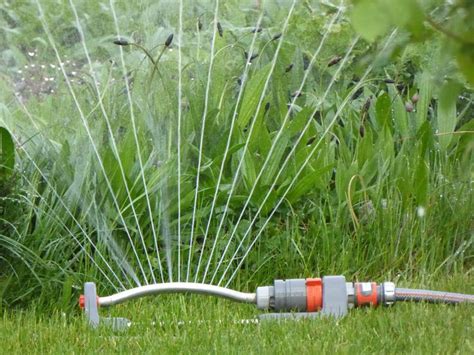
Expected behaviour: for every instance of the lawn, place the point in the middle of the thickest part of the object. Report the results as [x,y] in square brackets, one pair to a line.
[196,324]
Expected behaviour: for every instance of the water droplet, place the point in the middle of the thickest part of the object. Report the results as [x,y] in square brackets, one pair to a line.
[420,211]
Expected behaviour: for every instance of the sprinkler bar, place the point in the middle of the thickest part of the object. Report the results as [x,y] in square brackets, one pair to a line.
[294,298]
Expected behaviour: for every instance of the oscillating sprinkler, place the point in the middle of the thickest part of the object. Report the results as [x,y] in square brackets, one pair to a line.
[289,299]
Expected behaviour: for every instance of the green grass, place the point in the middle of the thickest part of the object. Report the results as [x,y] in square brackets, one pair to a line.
[212,326]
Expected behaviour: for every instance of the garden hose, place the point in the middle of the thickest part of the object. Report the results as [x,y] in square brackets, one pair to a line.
[409,294]
[293,298]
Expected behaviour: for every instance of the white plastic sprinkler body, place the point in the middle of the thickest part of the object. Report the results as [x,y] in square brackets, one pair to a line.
[294,298]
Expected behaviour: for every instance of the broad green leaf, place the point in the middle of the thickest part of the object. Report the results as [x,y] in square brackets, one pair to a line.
[372,18]
[465,59]
[421,182]
[251,97]
[7,152]
[447,116]
[127,152]
[425,86]
[248,166]
[403,172]
[369,19]
[343,175]
[275,161]
[465,146]
[405,14]
[385,145]
[383,108]
[233,149]
[425,138]
[296,125]
[365,148]
[260,140]
[400,116]
[309,180]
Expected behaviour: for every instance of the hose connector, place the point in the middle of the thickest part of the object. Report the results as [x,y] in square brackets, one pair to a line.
[311,295]
[307,296]
[388,293]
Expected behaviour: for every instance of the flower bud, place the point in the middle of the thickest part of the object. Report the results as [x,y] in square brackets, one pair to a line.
[121,42]
[169,40]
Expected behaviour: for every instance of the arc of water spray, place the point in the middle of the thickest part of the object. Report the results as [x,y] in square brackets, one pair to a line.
[137,143]
[288,157]
[59,198]
[68,211]
[114,248]
[315,55]
[201,140]
[234,182]
[308,158]
[286,161]
[180,74]
[89,135]
[229,139]
[112,137]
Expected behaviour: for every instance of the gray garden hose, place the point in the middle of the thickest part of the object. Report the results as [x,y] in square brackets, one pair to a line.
[409,294]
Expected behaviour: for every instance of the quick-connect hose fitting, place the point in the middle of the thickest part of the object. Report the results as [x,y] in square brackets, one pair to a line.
[283,295]
[307,295]
[372,294]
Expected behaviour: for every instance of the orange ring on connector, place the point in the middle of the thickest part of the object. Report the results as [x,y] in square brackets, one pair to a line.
[362,299]
[314,294]
[82,301]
